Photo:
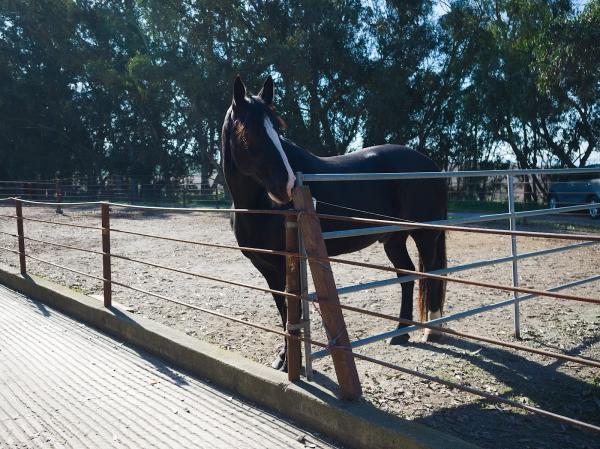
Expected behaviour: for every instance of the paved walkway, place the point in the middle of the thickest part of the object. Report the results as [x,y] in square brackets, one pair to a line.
[63,384]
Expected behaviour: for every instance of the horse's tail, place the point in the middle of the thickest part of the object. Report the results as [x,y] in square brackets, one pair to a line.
[432,292]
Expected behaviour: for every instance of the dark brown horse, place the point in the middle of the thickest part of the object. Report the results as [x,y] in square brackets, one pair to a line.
[259,167]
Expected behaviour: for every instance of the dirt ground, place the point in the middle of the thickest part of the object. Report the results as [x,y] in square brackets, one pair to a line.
[557,325]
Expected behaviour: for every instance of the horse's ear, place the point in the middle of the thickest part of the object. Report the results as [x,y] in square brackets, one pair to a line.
[239,92]
[266,93]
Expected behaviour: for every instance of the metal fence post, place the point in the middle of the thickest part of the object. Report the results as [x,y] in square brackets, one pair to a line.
[106,271]
[513,252]
[21,234]
[308,371]
[292,285]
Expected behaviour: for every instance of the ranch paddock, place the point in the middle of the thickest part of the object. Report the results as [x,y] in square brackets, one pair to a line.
[554,324]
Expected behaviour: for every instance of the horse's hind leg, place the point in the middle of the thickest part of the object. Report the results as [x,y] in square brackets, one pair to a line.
[395,248]
[432,252]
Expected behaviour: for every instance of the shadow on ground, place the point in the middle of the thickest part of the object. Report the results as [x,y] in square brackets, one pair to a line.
[538,384]
[160,366]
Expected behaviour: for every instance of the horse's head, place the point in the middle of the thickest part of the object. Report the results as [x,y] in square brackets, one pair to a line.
[251,141]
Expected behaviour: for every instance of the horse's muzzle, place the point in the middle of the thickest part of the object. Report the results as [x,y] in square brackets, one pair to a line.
[279,200]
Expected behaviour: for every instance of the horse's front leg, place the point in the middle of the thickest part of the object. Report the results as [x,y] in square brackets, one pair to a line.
[280,361]
[273,270]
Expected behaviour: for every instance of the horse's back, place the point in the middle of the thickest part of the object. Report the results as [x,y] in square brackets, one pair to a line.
[388,158]
[409,199]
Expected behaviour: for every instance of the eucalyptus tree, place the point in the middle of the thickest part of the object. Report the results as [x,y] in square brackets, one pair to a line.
[317,53]
[534,75]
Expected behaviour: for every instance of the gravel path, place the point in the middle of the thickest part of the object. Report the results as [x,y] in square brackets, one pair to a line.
[546,323]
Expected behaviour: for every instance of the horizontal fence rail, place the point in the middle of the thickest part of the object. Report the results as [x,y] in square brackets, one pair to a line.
[398,225]
[327,177]
[461,315]
[451,224]
[456,269]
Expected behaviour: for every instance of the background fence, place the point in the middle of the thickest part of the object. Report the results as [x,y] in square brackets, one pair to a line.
[185,192]
[531,189]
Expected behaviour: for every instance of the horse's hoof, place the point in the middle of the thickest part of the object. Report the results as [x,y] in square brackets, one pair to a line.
[284,369]
[278,362]
[400,340]
[432,336]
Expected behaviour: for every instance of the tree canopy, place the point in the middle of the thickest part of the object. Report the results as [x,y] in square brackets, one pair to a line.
[140,87]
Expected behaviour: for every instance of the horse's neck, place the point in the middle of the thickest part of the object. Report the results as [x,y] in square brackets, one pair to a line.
[301,160]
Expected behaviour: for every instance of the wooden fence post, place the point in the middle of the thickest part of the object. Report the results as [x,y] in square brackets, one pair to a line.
[21,234]
[106,271]
[292,285]
[333,319]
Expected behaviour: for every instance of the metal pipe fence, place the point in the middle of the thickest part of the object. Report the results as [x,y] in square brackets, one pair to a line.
[512,216]
[332,346]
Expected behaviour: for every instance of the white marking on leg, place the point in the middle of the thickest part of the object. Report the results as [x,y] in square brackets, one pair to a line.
[432,315]
[275,138]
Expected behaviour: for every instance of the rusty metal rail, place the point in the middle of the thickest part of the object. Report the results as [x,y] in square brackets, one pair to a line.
[106,279]
[290,212]
[477,392]
[57,223]
[164,209]
[407,224]
[420,274]
[554,355]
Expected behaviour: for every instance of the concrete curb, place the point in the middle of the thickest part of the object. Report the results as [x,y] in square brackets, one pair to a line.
[357,425]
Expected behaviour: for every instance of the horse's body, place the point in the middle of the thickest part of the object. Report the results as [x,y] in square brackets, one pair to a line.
[414,200]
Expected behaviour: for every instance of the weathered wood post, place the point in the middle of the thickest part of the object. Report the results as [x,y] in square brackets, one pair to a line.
[333,319]
[292,285]
[21,235]
[106,270]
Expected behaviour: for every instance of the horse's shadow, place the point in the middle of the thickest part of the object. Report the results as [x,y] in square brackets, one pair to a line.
[540,381]
[524,377]
[544,386]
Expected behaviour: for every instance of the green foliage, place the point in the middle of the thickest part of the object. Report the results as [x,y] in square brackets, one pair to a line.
[140,87]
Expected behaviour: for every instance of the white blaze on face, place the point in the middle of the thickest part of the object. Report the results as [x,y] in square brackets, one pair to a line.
[275,138]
